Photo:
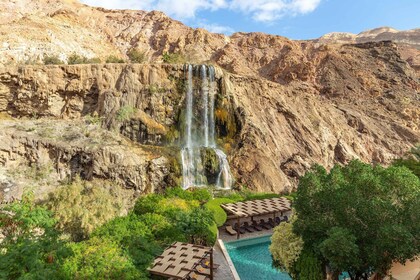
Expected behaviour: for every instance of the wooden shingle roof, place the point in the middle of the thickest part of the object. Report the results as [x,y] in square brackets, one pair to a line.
[179,260]
[257,207]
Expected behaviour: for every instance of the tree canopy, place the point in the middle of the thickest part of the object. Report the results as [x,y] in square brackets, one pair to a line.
[359,218]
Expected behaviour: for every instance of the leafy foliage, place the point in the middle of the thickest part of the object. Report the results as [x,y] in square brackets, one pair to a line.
[359,218]
[308,267]
[136,56]
[82,206]
[114,59]
[411,161]
[99,259]
[199,194]
[112,247]
[52,60]
[31,248]
[286,246]
[173,58]
[74,58]
[125,113]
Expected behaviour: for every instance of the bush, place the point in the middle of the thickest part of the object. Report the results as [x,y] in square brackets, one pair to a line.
[286,247]
[172,218]
[82,206]
[218,212]
[197,225]
[163,228]
[136,56]
[52,60]
[254,196]
[94,60]
[125,113]
[31,248]
[135,235]
[114,59]
[76,59]
[99,259]
[308,267]
[122,229]
[200,194]
[148,204]
[173,58]
[79,59]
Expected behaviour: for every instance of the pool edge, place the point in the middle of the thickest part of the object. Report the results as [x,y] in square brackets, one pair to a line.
[228,259]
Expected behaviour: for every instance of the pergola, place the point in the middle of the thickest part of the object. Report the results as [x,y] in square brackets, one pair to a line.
[181,260]
[257,207]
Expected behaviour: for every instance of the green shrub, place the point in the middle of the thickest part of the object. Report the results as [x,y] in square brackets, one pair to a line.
[148,204]
[122,229]
[74,58]
[82,206]
[125,113]
[99,258]
[136,56]
[114,59]
[162,228]
[173,58]
[200,194]
[197,225]
[93,60]
[254,196]
[52,60]
[31,248]
[136,235]
[286,247]
[218,212]
[308,267]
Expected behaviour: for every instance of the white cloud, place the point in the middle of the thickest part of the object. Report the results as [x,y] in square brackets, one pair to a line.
[260,10]
[216,28]
[272,10]
[182,9]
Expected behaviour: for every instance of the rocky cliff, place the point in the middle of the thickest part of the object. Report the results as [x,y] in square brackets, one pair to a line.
[283,105]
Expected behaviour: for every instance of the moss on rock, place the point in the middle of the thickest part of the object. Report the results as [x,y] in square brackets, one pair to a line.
[211,164]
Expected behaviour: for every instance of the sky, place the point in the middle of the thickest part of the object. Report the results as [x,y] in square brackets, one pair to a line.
[295,19]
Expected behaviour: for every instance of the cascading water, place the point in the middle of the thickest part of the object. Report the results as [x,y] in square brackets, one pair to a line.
[199,130]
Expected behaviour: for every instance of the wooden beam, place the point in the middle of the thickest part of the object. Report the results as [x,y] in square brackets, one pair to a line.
[211,264]
[238,233]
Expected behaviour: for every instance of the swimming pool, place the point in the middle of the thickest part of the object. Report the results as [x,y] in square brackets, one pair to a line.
[252,259]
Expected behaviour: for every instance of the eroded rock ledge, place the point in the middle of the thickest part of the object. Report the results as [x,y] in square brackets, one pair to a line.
[272,132]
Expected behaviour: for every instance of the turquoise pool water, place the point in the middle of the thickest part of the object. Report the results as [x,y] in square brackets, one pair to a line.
[252,259]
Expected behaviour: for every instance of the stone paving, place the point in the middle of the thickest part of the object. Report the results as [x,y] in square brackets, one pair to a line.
[223,272]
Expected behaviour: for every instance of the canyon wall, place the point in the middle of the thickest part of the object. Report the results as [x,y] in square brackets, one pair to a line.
[355,101]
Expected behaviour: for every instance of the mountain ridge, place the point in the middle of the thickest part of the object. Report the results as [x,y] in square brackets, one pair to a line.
[289,103]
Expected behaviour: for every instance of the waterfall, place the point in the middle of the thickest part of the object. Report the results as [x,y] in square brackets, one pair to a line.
[199,130]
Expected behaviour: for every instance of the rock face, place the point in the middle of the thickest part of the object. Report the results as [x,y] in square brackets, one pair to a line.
[284,105]
[408,41]
[73,148]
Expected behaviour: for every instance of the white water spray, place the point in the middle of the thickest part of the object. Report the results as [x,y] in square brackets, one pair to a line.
[199,130]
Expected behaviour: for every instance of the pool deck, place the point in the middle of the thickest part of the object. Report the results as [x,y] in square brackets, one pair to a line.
[223,272]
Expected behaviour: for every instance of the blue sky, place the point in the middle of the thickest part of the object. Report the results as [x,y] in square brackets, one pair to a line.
[296,19]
